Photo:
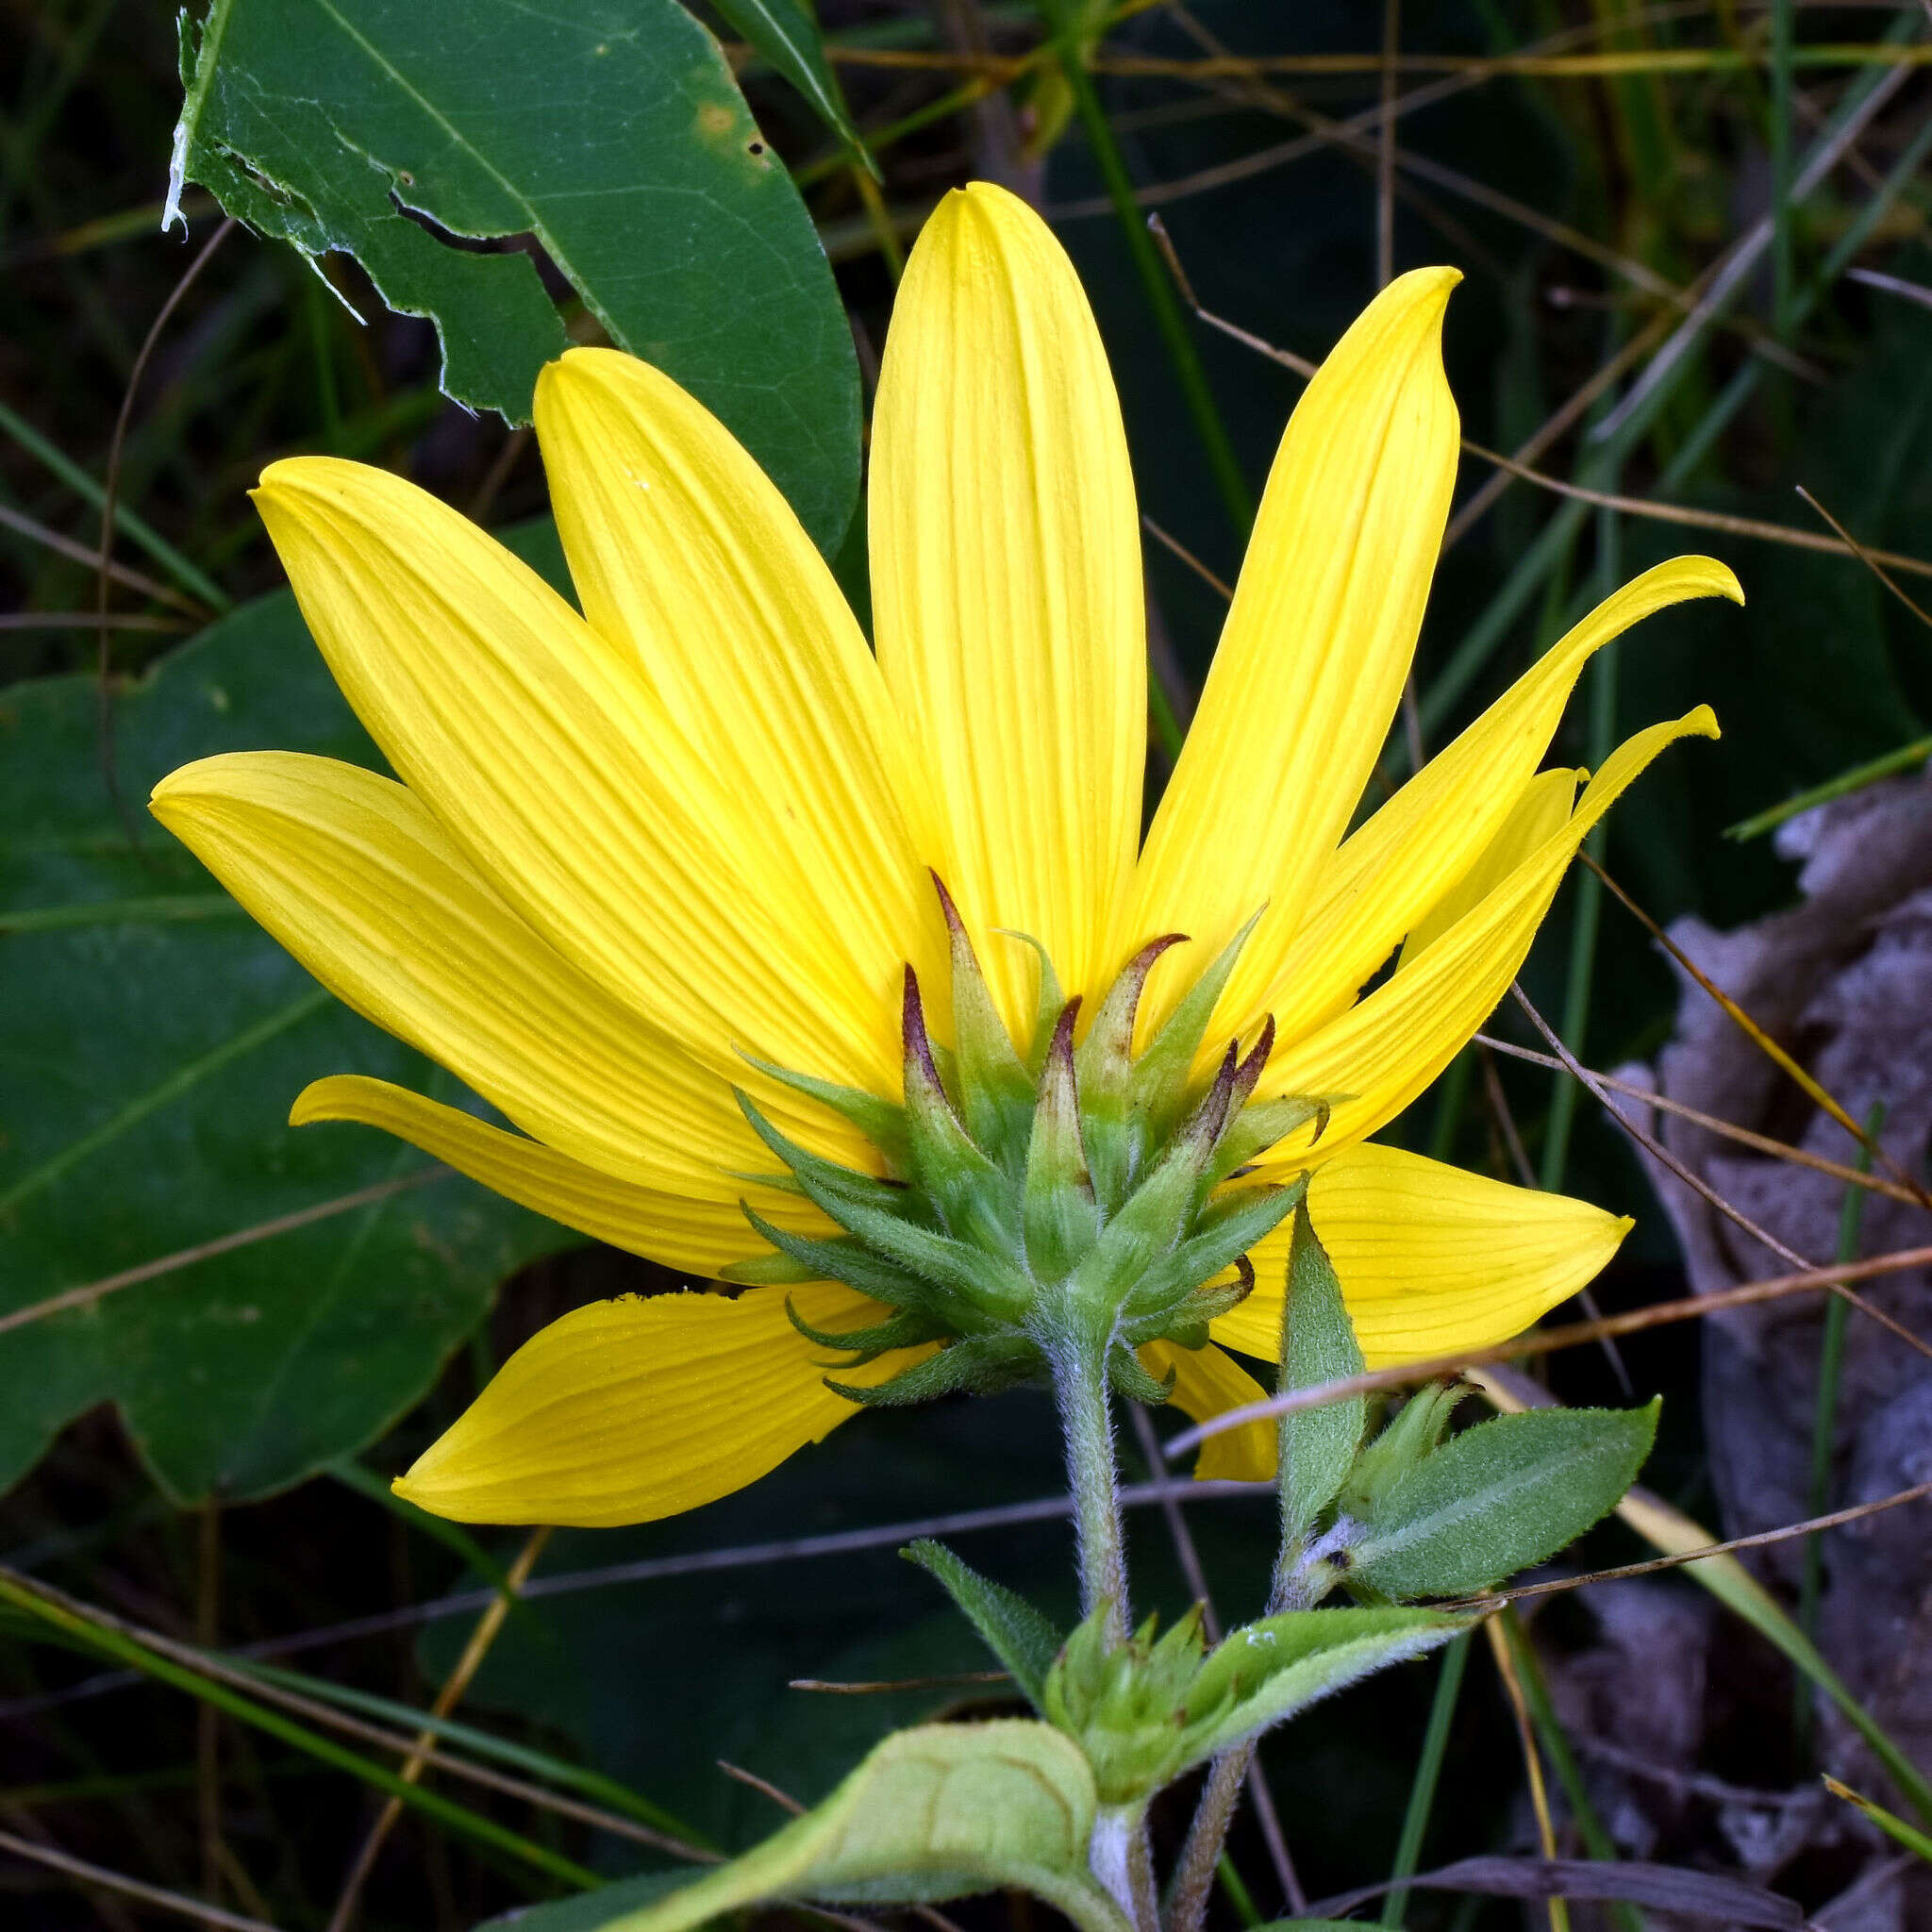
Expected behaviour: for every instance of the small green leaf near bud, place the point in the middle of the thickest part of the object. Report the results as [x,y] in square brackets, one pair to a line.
[1317,1446]
[1012,1630]
[1499,1497]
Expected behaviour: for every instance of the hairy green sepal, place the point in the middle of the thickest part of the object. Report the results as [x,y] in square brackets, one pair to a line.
[1145,1710]
[1041,1196]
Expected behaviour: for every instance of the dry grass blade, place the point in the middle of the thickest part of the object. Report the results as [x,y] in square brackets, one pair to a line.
[85,1873]
[1729,1130]
[1758,1035]
[82,620]
[1699,1185]
[872,1687]
[446,1700]
[90,1291]
[1549,1341]
[1894,285]
[1532,1760]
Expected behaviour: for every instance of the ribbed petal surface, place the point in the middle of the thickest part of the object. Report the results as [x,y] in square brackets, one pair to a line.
[541,748]
[1387,1048]
[1317,643]
[683,1228]
[360,882]
[1429,836]
[630,1411]
[682,549]
[1208,1382]
[1431,1260]
[1005,576]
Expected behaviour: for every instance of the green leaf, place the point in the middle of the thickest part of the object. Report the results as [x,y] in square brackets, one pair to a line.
[146,1066]
[1268,1672]
[588,1911]
[613,133]
[1499,1497]
[933,1813]
[787,38]
[1015,1632]
[1318,1446]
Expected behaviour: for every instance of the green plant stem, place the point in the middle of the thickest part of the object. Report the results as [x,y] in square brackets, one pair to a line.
[1831,1354]
[1239,1896]
[1903,759]
[1204,1854]
[1428,1770]
[104,1640]
[1079,1386]
[1154,284]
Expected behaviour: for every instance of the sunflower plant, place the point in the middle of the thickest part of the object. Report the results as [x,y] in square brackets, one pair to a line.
[841,977]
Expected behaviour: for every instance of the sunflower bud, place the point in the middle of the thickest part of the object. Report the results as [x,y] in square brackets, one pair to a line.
[1033,1192]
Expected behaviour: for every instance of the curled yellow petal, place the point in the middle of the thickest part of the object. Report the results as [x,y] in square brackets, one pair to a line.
[1388,1047]
[1431,1260]
[358,880]
[1208,1382]
[703,1230]
[1315,645]
[630,1411]
[1413,851]
[1005,576]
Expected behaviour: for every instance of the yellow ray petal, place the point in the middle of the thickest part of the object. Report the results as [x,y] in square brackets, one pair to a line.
[1431,1260]
[683,549]
[1207,1382]
[355,877]
[538,745]
[1541,811]
[1315,648]
[680,1228]
[1414,849]
[1386,1049]
[630,1411]
[1005,576]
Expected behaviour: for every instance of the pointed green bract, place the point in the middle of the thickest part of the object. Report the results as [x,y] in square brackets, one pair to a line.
[1316,1446]
[1012,1630]
[1030,1198]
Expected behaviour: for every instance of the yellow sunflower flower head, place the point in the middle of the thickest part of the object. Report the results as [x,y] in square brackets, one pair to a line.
[658,883]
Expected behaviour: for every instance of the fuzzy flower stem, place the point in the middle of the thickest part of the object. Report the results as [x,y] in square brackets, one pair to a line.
[1079,1387]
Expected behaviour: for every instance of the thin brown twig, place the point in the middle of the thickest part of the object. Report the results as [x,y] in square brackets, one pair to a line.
[208,1729]
[123,575]
[872,1686]
[1870,559]
[1511,1681]
[1631,506]
[1548,1342]
[109,495]
[328,1717]
[1759,1539]
[1729,1130]
[1174,546]
[787,1803]
[450,1694]
[1698,1185]
[1758,1035]
[90,1292]
[86,1873]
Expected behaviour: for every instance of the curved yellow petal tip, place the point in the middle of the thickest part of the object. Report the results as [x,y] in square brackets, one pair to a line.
[1702,722]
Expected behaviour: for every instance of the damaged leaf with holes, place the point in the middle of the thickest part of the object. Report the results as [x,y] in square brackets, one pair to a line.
[404,137]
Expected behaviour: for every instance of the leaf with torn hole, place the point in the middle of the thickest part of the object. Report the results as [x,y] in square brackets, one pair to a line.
[614,135]
[788,37]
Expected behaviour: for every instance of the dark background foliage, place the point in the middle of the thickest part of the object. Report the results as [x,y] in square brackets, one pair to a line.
[195,1452]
